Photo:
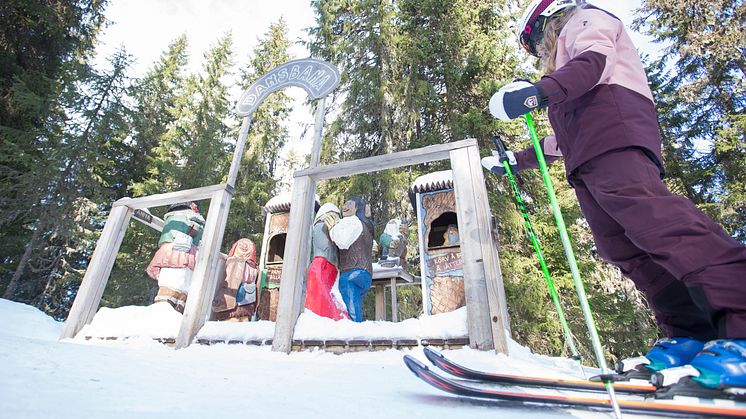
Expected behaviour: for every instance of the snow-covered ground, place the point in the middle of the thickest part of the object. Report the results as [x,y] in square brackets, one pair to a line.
[41,377]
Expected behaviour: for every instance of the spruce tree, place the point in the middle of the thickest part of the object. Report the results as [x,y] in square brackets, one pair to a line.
[258,175]
[701,102]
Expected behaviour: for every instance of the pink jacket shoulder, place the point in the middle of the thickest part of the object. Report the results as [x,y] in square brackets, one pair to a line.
[595,30]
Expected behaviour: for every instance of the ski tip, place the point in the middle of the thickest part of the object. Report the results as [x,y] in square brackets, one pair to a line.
[414,365]
[431,353]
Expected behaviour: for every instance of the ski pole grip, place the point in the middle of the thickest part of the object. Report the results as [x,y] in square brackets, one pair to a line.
[502,152]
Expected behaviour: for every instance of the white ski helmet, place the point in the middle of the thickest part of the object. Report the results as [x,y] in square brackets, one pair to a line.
[531,25]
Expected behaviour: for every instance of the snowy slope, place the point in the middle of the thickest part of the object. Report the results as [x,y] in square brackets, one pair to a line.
[44,378]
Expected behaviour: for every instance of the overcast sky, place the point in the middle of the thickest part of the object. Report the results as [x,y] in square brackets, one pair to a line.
[146,27]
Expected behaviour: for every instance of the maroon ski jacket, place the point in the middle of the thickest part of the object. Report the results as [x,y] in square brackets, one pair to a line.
[599,99]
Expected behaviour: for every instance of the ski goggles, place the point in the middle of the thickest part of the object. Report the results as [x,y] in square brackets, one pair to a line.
[533,34]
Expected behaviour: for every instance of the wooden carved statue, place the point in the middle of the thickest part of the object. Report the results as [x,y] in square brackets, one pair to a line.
[393,243]
[353,234]
[451,237]
[173,263]
[235,299]
[322,274]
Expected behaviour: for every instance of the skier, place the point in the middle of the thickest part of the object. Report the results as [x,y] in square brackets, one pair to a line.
[605,127]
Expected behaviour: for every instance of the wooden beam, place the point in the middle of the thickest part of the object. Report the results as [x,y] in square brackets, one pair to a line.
[317,132]
[157,200]
[204,279]
[493,274]
[238,152]
[475,284]
[295,263]
[96,276]
[386,161]
[153,222]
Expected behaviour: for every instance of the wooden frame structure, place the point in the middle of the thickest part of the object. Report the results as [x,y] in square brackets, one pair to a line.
[485,296]
[318,79]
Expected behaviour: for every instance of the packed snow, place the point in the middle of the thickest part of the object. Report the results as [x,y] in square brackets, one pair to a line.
[138,377]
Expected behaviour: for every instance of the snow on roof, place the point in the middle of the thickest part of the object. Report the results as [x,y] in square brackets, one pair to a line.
[433,182]
[281,203]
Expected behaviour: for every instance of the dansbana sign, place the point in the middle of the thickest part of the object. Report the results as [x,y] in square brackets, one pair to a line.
[318,78]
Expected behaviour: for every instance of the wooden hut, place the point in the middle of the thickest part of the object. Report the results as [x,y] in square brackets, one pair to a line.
[272,254]
[441,262]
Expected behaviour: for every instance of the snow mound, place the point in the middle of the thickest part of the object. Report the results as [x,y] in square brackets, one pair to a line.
[161,321]
[157,320]
[22,320]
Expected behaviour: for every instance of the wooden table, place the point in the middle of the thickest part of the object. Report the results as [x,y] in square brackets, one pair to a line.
[384,276]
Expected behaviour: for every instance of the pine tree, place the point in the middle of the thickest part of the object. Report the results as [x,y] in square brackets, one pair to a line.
[258,176]
[84,140]
[155,98]
[40,42]
[701,102]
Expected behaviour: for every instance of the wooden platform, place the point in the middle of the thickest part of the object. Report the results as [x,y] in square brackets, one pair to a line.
[330,345]
[391,277]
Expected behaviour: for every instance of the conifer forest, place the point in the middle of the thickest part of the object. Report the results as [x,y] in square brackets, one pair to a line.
[74,138]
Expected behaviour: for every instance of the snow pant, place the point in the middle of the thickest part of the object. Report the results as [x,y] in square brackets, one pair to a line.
[353,285]
[321,277]
[691,271]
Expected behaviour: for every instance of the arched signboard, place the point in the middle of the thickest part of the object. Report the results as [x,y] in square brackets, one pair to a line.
[318,78]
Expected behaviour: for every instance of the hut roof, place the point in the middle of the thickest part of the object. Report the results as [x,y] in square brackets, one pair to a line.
[431,182]
[281,203]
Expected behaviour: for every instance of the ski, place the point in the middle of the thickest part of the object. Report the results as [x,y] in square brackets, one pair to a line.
[445,364]
[440,382]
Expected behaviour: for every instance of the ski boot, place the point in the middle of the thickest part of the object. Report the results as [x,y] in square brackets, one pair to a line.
[722,364]
[673,352]
[665,353]
[720,373]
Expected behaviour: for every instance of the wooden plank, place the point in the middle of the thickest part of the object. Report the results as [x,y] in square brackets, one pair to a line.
[386,161]
[295,263]
[204,279]
[493,274]
[97,275]
[168,198]
[238,152]
[380,303]
[475,284]
[394,302]
[423,266]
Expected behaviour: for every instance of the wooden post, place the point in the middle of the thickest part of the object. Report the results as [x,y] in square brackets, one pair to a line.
[423,268]
[204,279]
[97,275]
[394,302]
[295,263]
[490,247]
[238,152]
[318,126]
[484,316]
[380,302]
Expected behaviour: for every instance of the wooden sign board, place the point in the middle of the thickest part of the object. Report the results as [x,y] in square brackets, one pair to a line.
[318,78]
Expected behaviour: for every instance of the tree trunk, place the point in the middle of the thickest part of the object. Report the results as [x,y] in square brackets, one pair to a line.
[13,285]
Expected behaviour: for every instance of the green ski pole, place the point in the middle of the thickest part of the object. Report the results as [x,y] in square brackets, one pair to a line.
[597,348]
[503,156]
